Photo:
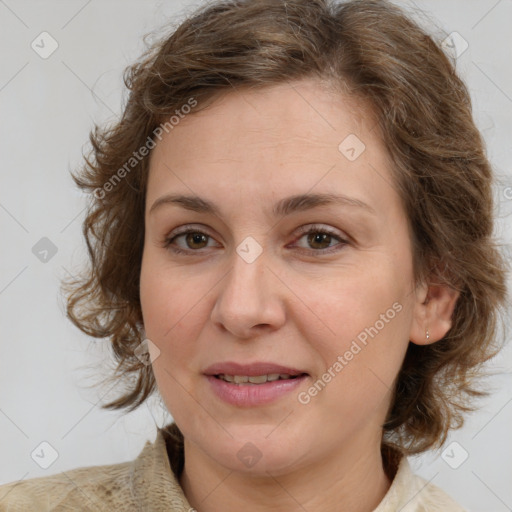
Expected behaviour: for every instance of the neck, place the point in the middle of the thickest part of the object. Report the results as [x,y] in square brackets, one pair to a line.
[347,479]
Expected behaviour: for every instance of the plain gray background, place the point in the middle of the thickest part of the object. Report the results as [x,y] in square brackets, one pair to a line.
[48,105]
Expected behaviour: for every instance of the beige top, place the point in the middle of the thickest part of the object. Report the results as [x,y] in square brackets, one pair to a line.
[150,483]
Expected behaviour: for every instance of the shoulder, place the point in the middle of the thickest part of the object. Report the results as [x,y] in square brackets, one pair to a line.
[88,489]
[145,483]
[432,498]
[412,493]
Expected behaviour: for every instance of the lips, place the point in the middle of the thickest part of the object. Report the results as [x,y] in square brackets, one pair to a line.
[228,382]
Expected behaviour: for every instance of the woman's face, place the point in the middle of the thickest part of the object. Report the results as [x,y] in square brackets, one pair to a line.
[250,286]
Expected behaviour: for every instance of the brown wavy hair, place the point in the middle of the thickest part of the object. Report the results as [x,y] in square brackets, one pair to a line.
[374,51]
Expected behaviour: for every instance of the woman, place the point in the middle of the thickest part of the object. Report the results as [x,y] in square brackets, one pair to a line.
[290,236]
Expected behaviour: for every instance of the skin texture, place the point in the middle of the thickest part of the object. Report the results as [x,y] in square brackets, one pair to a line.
[297,304]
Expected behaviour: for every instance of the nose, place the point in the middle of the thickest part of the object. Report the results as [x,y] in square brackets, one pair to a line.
[249,302]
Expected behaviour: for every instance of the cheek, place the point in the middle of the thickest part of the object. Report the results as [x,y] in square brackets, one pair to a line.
[367,316]
[171,322]
[173,310]
[353,303]
[164,299]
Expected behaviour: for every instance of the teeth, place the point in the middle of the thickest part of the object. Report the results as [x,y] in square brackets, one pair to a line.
[257,379]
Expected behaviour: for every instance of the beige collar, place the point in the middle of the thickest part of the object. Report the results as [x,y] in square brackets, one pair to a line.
[155,482]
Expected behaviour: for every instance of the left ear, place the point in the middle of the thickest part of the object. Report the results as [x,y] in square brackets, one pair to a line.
[433,312]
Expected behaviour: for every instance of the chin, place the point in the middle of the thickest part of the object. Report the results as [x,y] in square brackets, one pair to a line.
[253,451]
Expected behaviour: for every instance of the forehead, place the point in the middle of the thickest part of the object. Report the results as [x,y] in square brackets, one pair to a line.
[308,109]
[292,136]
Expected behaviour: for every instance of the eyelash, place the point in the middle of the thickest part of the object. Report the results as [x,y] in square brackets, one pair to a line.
[303,231]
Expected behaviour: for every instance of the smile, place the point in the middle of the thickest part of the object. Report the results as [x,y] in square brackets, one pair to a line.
[256,379]
[256,390]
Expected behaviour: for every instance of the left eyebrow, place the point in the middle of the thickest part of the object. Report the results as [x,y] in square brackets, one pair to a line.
[303,202]
[284,207]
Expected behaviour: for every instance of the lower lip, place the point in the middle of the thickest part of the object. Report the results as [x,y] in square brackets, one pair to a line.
[249,395]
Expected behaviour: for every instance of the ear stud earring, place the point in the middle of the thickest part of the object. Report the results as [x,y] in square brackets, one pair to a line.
[427,334]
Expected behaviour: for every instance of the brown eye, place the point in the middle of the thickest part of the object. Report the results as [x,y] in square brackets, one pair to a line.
[188,241]
[193,238]
[318,240]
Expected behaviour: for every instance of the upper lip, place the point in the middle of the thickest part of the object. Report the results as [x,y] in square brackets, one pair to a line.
[249,370]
